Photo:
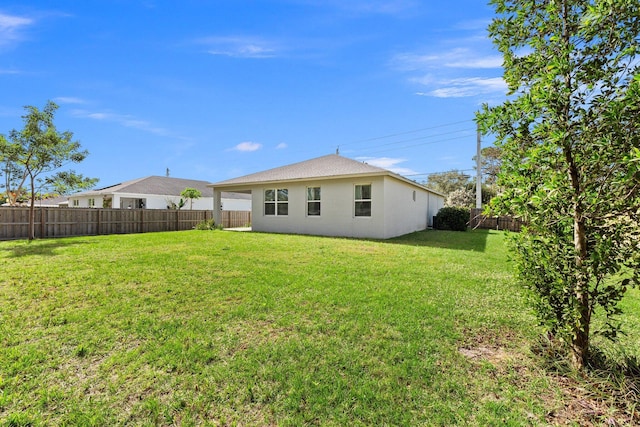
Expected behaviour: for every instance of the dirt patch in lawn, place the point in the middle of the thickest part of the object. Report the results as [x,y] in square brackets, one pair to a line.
[589,400]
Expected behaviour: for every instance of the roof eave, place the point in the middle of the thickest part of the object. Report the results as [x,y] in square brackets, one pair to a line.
[247,185]
[305,179]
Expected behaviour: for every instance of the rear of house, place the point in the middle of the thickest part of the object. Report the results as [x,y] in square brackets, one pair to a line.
[335,196]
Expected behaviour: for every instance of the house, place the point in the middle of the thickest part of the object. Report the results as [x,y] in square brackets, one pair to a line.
[157,192]
[334,196]
[52,202]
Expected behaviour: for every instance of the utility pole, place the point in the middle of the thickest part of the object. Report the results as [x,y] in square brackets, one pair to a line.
[478,172]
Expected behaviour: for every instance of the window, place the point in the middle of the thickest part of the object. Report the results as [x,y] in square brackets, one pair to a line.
[130,203]
[276,202]
[76,203]
[363,200]
[92,203]
[313,201]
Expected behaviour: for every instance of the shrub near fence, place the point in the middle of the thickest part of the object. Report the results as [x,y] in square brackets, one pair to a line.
[478,220]
[62,222]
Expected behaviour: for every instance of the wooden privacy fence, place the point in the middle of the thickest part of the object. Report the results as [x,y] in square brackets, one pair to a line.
[62,222]
[478,220]
[234,219]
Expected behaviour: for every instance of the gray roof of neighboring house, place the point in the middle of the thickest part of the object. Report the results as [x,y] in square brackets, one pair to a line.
[55,201]
[159,185]
[330,166]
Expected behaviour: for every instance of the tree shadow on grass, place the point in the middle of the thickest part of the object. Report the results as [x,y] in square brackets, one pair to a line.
[23,248]
[470,240]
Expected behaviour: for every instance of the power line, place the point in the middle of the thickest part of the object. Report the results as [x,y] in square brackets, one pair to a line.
[420,137]
[366,149]
[407,132]
[439,173]
[418,145]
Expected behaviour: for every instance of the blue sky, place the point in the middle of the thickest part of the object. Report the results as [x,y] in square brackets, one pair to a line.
[218,89]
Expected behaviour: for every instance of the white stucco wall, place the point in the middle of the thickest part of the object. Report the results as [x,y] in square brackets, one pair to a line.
[337,210]
[394,211]
[83,202]
[236,204]
[161,202]
[403,214]
[435,204]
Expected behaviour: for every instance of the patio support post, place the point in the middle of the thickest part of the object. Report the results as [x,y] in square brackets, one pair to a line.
[217,206]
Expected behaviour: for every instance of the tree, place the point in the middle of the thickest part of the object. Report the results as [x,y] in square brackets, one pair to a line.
[490,161]
[12,174]
[570,140]
[171,204]
[36,150]
[66,182]
[191,194]
[446,182]
[461,198]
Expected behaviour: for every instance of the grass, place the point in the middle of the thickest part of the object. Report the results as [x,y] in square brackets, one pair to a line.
[224,328]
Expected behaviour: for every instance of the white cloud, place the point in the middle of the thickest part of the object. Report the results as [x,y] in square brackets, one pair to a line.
[241,47]
[454,58]
[485,62]
[126,121]
[281,146]
[388,163]
[378,6]
[473,25]
[247,146]
[466,66]
[389,7]
[11,28]
[8,22]
[97,116]
[69,100]
[462,87]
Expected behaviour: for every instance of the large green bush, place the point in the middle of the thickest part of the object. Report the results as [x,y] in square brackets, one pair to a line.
[452,218]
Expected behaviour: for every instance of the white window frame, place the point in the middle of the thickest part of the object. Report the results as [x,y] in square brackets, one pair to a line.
[92,203]
[362,200]
[278,201]
[75,203]
[311,193]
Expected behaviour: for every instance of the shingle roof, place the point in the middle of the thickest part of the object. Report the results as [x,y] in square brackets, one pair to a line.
[159,185]
[329,166]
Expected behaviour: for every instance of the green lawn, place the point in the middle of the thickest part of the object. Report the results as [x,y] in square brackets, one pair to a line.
[227,328]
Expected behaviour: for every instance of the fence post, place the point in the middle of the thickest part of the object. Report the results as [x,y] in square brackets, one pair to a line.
[42,223]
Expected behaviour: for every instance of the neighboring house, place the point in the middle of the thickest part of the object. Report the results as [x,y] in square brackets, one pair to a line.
[335,196]
[54,202]
[157,192]
[44,203]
